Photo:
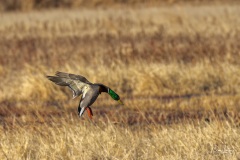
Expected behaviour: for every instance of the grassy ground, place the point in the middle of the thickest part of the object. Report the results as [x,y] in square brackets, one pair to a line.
[175,67]
[28,5]
[71,139]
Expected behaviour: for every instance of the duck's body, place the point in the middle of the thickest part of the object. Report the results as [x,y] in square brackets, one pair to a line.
[81,86]
[89,96]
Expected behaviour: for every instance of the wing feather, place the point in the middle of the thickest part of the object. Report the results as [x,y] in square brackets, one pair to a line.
[76,83]
[72,76]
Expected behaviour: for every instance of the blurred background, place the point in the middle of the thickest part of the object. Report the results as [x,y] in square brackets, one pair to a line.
[158,54]
[171,56]
[172,62]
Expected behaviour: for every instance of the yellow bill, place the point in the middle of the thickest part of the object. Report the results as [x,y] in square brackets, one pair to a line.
[119,101]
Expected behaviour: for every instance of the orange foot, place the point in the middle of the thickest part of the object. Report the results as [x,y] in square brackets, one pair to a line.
[89,111]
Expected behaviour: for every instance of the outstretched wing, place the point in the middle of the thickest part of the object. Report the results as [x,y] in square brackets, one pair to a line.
[76,83]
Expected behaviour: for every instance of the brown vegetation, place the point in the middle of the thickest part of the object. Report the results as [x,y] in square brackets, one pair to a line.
[28,5]
[175,67]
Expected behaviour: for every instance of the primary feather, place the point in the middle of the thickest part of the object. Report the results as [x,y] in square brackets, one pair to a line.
[76,83]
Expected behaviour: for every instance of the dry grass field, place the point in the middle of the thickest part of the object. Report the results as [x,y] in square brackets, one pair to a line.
[176,67]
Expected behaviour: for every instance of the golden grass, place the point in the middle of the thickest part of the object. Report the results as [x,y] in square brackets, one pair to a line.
[28,5]
[175,67]
[74,140]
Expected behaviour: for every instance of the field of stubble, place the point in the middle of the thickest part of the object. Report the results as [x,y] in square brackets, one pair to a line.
[176,68]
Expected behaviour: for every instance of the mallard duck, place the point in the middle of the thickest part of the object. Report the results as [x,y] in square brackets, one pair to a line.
[81,86]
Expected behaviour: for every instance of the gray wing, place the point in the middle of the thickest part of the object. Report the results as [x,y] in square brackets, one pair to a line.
[76,83]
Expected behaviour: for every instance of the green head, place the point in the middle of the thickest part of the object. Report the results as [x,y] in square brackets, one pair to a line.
[114,96]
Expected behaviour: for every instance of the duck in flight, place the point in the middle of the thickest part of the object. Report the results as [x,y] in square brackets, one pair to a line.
[81,86]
